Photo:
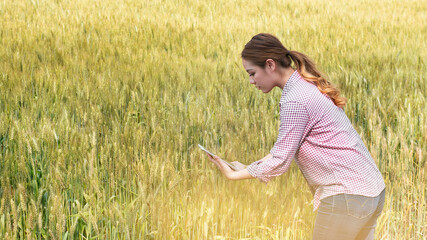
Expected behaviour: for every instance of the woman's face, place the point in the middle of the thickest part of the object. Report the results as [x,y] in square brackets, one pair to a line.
[258,76]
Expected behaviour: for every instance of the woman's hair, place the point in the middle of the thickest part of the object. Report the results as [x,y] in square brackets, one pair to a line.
[265,46]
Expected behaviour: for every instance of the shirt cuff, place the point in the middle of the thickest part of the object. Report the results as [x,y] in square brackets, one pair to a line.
[254,171]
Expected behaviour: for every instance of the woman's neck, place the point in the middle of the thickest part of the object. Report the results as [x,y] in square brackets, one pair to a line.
[285,74]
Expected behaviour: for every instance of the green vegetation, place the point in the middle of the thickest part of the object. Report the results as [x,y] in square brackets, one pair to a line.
[103,103]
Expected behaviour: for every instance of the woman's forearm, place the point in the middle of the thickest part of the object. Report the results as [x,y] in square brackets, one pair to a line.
[244,174]
[240,175]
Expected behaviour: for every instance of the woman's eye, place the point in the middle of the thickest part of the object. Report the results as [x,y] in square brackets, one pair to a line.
[250,75]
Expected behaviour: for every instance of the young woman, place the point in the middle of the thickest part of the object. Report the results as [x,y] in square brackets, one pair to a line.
[347,186]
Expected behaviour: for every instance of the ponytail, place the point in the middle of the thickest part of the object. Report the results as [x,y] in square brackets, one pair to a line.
[265,46]
[309,72]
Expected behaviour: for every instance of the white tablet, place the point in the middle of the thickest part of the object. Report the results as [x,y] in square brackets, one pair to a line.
[213,155]
[201,147]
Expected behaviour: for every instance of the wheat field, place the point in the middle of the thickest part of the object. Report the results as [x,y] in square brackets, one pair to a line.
[103,103]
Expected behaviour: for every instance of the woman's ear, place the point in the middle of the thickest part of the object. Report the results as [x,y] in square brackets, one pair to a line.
[270,64]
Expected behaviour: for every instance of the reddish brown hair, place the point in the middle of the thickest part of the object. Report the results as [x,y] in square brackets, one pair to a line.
[265,46]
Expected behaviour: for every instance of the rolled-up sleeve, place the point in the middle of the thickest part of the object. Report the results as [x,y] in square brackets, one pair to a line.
[293,121]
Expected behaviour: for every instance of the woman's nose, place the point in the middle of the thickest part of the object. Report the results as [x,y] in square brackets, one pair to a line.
[251,81]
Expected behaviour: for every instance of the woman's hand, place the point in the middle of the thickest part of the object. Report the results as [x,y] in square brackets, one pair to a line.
[228,172]
[224,168]
[239,165]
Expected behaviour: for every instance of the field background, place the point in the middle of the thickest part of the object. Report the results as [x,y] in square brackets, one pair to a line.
[103,103]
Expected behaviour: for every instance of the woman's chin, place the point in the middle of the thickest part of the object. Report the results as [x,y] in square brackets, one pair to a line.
[265,90]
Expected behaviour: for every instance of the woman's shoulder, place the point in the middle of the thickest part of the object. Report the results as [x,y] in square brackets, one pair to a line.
[301,92]
[308,95]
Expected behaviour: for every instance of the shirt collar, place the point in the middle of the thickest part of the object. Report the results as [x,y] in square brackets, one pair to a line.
[289,84]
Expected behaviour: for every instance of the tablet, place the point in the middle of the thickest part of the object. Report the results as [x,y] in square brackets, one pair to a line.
[213,155]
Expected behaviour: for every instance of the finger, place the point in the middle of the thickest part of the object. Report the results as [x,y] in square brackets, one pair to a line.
[213,160]
[210,157]
[222,164]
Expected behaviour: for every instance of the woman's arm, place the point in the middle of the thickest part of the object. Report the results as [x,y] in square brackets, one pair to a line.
[229,173]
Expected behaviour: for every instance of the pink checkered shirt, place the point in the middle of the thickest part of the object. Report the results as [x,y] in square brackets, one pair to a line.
[327,149]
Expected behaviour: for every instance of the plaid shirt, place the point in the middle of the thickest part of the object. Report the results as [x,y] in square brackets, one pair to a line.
[327,149]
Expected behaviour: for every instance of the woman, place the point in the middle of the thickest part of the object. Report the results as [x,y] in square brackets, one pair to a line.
[347,186]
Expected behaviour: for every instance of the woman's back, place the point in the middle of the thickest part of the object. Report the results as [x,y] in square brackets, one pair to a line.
[331,154]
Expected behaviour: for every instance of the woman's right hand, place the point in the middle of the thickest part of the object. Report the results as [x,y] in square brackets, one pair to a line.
[239,165]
